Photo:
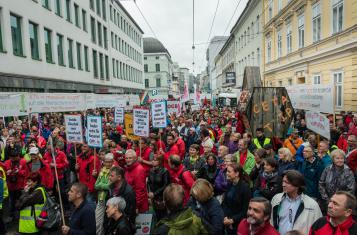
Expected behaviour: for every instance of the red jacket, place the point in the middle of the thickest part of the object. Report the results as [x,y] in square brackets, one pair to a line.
[41,142]
[181,147]
[47,179]
[244,229]
[145,155]
[183,178]
[61,162]
[323,226]
[16,181]
[86,167]
[136,178]
[351,159]
[342,143]
[161,144]
[172,150]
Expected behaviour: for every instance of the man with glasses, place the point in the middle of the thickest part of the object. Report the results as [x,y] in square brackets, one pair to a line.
[292,209]
[352,152]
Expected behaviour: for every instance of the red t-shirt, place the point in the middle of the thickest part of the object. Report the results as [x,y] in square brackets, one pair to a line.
[243,158]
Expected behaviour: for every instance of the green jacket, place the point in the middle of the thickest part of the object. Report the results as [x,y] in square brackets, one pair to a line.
[249,163]
[183,223]
[102,184]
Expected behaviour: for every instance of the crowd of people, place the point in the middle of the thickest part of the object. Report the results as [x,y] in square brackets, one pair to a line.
[202,174]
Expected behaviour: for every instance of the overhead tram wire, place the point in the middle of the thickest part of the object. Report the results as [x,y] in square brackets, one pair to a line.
[193,36]
[147,22]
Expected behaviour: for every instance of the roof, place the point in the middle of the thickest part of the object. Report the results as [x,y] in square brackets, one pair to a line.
[127,13]
[152,45]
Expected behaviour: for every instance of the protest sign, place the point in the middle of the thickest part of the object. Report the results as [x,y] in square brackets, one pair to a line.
[74,133]
[13,104]
[318,123]
[158,114]
[109,101]
[195,107]
[129,131]
[119,115]
[143,224]
[173,106]
[317,98]
[94,131]
[141,122]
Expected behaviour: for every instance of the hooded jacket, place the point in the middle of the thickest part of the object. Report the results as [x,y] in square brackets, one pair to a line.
[86,167]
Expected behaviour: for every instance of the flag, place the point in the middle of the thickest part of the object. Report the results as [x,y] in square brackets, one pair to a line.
[144,99]
[185,96]
[197,95]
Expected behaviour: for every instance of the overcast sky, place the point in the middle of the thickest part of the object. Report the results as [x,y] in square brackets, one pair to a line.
[171,21]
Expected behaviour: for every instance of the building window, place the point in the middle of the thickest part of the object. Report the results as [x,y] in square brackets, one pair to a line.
[98,7]
[114,70]
[280,5]
[157,57]
[290,82]
[258,24]
[146,68]
[84,20]
[91,4]
[76,15]
[288,39]
[79,56]
[16,35]
[100,39]
[105,37]
[68,10]
[60,56]
[279,42]
[157,67]
[301,30]
[280,83]
[33,31]
[146,83]
[58,7]
[1,40]
[104,9]
[252,33]
[107,68]
[70,53]
[258,57]
[95,64]
[92,26]
[86,64]
[270,9]
[120,70]
[46,4]
[101,66]
[268,49]
[338,82]
[248,35]
[337,14]
[317,79]
[316,22]
[48,45]
[158,82]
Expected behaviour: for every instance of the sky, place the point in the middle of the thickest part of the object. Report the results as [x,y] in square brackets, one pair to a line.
[171,21]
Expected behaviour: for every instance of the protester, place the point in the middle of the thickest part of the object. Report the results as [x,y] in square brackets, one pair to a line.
[260,140]
[118,223]
[323,153]
[145,155]
[293,142]
[259,155]
[244,157]
[82,220]
[286,161]
[193,162]
[351,155]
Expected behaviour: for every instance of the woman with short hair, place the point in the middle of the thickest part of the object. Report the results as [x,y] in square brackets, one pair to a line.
[118,223]
[206,206]
[286,161]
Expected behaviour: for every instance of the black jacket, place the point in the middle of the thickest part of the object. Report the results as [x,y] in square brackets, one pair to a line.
[82,221]
[157,181]
[120,227]
[270,187]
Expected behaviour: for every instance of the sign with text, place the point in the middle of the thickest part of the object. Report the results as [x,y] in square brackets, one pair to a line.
[129,131]
[173,106]
[119,115]
[318,123]
[195,107]
[158,114]
[141,122]
[13,104]
[317,98]
[74,133]
[231,77]
[94,131]
[143,224]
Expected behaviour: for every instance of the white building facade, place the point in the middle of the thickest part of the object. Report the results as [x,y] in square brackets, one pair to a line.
[69,46]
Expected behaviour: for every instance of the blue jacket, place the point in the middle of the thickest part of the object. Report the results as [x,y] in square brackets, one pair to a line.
[221,183]
[326,160]
[82,221]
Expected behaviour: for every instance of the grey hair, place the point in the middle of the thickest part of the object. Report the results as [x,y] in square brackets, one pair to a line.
[118,202]
[109,157]
[130,151]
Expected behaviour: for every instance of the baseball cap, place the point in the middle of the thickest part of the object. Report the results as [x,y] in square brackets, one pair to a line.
[33,150]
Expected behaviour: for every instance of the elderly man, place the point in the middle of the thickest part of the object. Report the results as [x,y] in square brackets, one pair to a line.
[257,221]
[352,152]
[222,152]
[135,175]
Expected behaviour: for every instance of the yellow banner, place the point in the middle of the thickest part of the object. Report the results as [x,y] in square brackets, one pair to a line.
[129,131]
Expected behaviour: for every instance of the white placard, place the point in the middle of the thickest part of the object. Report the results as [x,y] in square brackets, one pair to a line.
[158,114]
[13,104]
[109,101]
[74,132]
[195,107]
[143,224]
[317,98]
[318,123]
[173,106]
[94,131]
[141,122]
[119,115]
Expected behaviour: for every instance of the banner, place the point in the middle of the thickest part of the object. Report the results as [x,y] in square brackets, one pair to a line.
[318,98]
[12,104]
[173,106]
[158,114]
[195,107]
[141,122]
[143,224]
[109,101]
[56,102]
[318,123]
[129,131]
[74,132]
[119,115]
[230,78]
[94,131]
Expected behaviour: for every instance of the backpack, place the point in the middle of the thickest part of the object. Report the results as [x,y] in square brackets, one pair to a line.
[50,216]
